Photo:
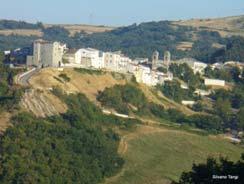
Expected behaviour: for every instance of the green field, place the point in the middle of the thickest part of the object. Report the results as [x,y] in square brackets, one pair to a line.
[156,158]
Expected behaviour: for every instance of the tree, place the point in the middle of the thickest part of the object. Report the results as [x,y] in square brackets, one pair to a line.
[209,172]
[185,73]
[76,147]
[235,73]
[223,109]
[240,118]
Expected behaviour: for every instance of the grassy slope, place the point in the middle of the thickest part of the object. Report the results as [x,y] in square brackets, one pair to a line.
[72,28]
[42,102]
[152,155]
[155,156]
[225,26]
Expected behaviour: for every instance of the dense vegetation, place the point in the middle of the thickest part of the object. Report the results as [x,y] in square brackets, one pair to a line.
[12,24]
[122,98]
[185,73]
[76,147]
[10,94]
[229,106]
[15,41]
[140,40]
[204,173]
[234,50]
[230,74]
[174,91]
[130,99]
[56,33]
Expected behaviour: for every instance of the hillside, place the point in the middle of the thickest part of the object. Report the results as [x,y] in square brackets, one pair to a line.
[153,150]
[157,155]
[21,28]
[42,102]
[226,26]
[76,28]
[204,40]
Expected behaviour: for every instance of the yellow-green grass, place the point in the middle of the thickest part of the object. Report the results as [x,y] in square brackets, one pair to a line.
[157,158]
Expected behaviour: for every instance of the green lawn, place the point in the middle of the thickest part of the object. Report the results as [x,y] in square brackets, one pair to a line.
[154,158]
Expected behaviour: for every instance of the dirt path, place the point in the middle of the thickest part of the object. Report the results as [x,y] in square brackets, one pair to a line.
[123,145]
[140,131]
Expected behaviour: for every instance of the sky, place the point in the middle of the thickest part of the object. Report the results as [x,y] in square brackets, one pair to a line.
[116,12]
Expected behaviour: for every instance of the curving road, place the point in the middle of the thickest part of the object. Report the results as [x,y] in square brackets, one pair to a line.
[23,79]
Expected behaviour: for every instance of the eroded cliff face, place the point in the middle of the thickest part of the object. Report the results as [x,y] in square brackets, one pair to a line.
[42,103]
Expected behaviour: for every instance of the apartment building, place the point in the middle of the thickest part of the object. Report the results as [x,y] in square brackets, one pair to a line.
[116,61]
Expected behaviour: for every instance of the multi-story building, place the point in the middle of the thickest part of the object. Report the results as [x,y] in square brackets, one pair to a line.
[116,61]
[144,74]
[92,58]
[46,54]
[72,56]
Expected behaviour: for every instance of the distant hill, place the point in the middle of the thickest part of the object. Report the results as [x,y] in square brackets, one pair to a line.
[22,28]
[208,40]
[226,26]
[76,28]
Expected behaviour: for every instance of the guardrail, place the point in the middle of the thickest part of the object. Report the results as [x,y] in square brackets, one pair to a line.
[24,74]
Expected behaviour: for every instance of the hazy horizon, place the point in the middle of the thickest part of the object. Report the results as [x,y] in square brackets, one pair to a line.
[120,13]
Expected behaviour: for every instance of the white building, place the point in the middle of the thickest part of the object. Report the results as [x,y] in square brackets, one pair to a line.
[7,52]
[196,66]
[162,77]
[188,102]
[72,56]
[214,82]
[92,58]
[46,53]
[131,67]
[202,92]
[144,74]
[116,61]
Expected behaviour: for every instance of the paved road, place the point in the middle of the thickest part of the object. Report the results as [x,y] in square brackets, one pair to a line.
[23,79]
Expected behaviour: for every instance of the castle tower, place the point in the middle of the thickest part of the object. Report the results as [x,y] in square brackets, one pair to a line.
[167,59]
[155,57]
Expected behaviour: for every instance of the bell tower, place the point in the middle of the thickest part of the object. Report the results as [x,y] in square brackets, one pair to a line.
[155,57]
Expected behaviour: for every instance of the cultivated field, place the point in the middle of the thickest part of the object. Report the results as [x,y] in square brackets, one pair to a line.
[75,28]
[226,26]
[72,28]
[157,155]
[21,32]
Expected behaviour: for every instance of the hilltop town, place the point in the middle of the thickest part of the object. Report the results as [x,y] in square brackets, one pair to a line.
[130,105]
[150,71]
